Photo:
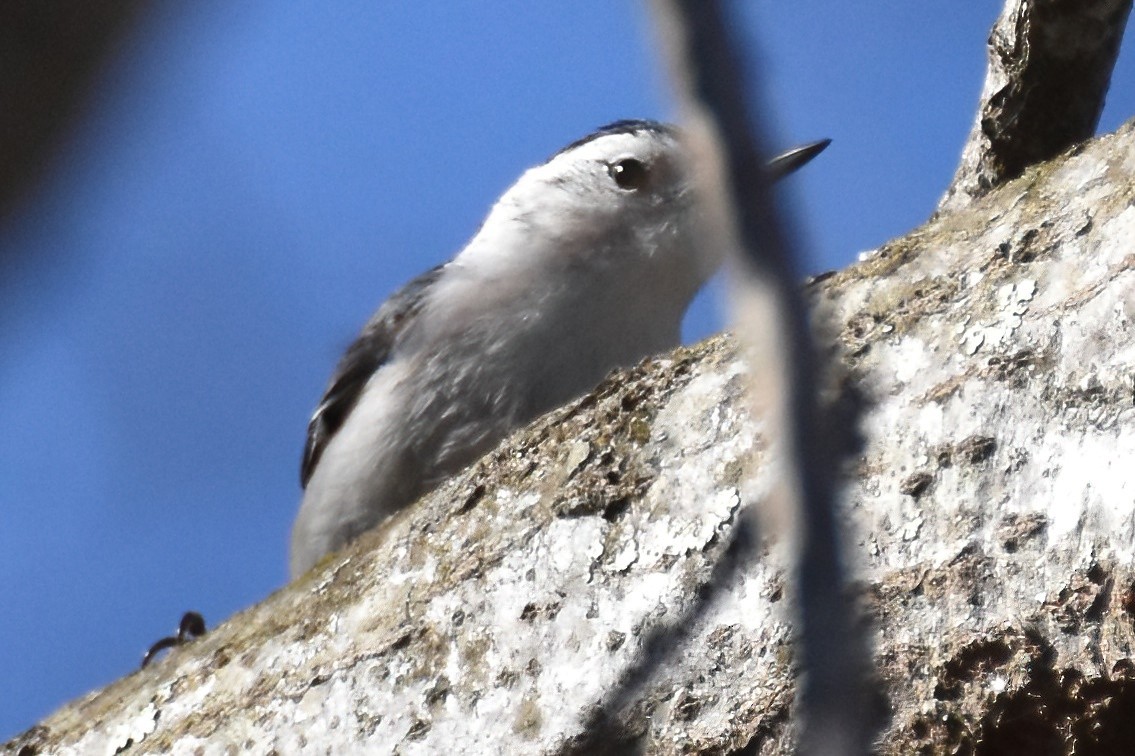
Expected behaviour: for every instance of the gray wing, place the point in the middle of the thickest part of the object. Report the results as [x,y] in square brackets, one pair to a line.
[367,354]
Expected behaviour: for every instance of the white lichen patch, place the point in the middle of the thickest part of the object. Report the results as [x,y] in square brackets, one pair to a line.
[1010,304]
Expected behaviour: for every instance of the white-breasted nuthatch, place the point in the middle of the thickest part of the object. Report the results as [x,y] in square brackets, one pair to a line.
[587,263]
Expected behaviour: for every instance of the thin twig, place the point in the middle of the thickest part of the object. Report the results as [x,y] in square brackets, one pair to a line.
[728,154]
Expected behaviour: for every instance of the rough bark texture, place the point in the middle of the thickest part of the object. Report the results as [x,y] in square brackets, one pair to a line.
[1050,64]
[989,517]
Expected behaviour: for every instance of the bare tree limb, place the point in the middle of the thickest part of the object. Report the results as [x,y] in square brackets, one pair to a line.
[728,152]
[1050,64]
[50,53]
[991,504]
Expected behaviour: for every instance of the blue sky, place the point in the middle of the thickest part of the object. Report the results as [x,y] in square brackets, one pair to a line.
[254,178]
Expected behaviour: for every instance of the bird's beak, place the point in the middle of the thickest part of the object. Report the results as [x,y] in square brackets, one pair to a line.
[786,162]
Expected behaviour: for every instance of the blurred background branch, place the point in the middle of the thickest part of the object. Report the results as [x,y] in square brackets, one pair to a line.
[728,147]
[51,52]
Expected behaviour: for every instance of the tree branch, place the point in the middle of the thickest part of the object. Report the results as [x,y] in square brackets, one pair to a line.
[990,504]
[1050,64]
[773,320]
[50,53]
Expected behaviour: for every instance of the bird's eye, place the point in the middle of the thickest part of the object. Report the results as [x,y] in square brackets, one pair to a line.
[629,174]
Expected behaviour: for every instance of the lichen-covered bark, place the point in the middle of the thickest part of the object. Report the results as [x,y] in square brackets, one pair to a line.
[995,505]
[1050,64]
[989,517]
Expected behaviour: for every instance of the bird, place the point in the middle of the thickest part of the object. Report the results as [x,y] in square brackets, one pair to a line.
[586,264]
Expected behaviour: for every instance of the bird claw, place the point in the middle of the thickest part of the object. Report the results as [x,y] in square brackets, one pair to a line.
[192,626]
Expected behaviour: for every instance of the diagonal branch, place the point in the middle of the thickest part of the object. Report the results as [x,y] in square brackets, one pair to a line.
[743,217]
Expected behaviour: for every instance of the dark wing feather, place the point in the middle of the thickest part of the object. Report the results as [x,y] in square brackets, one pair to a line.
[367,354]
